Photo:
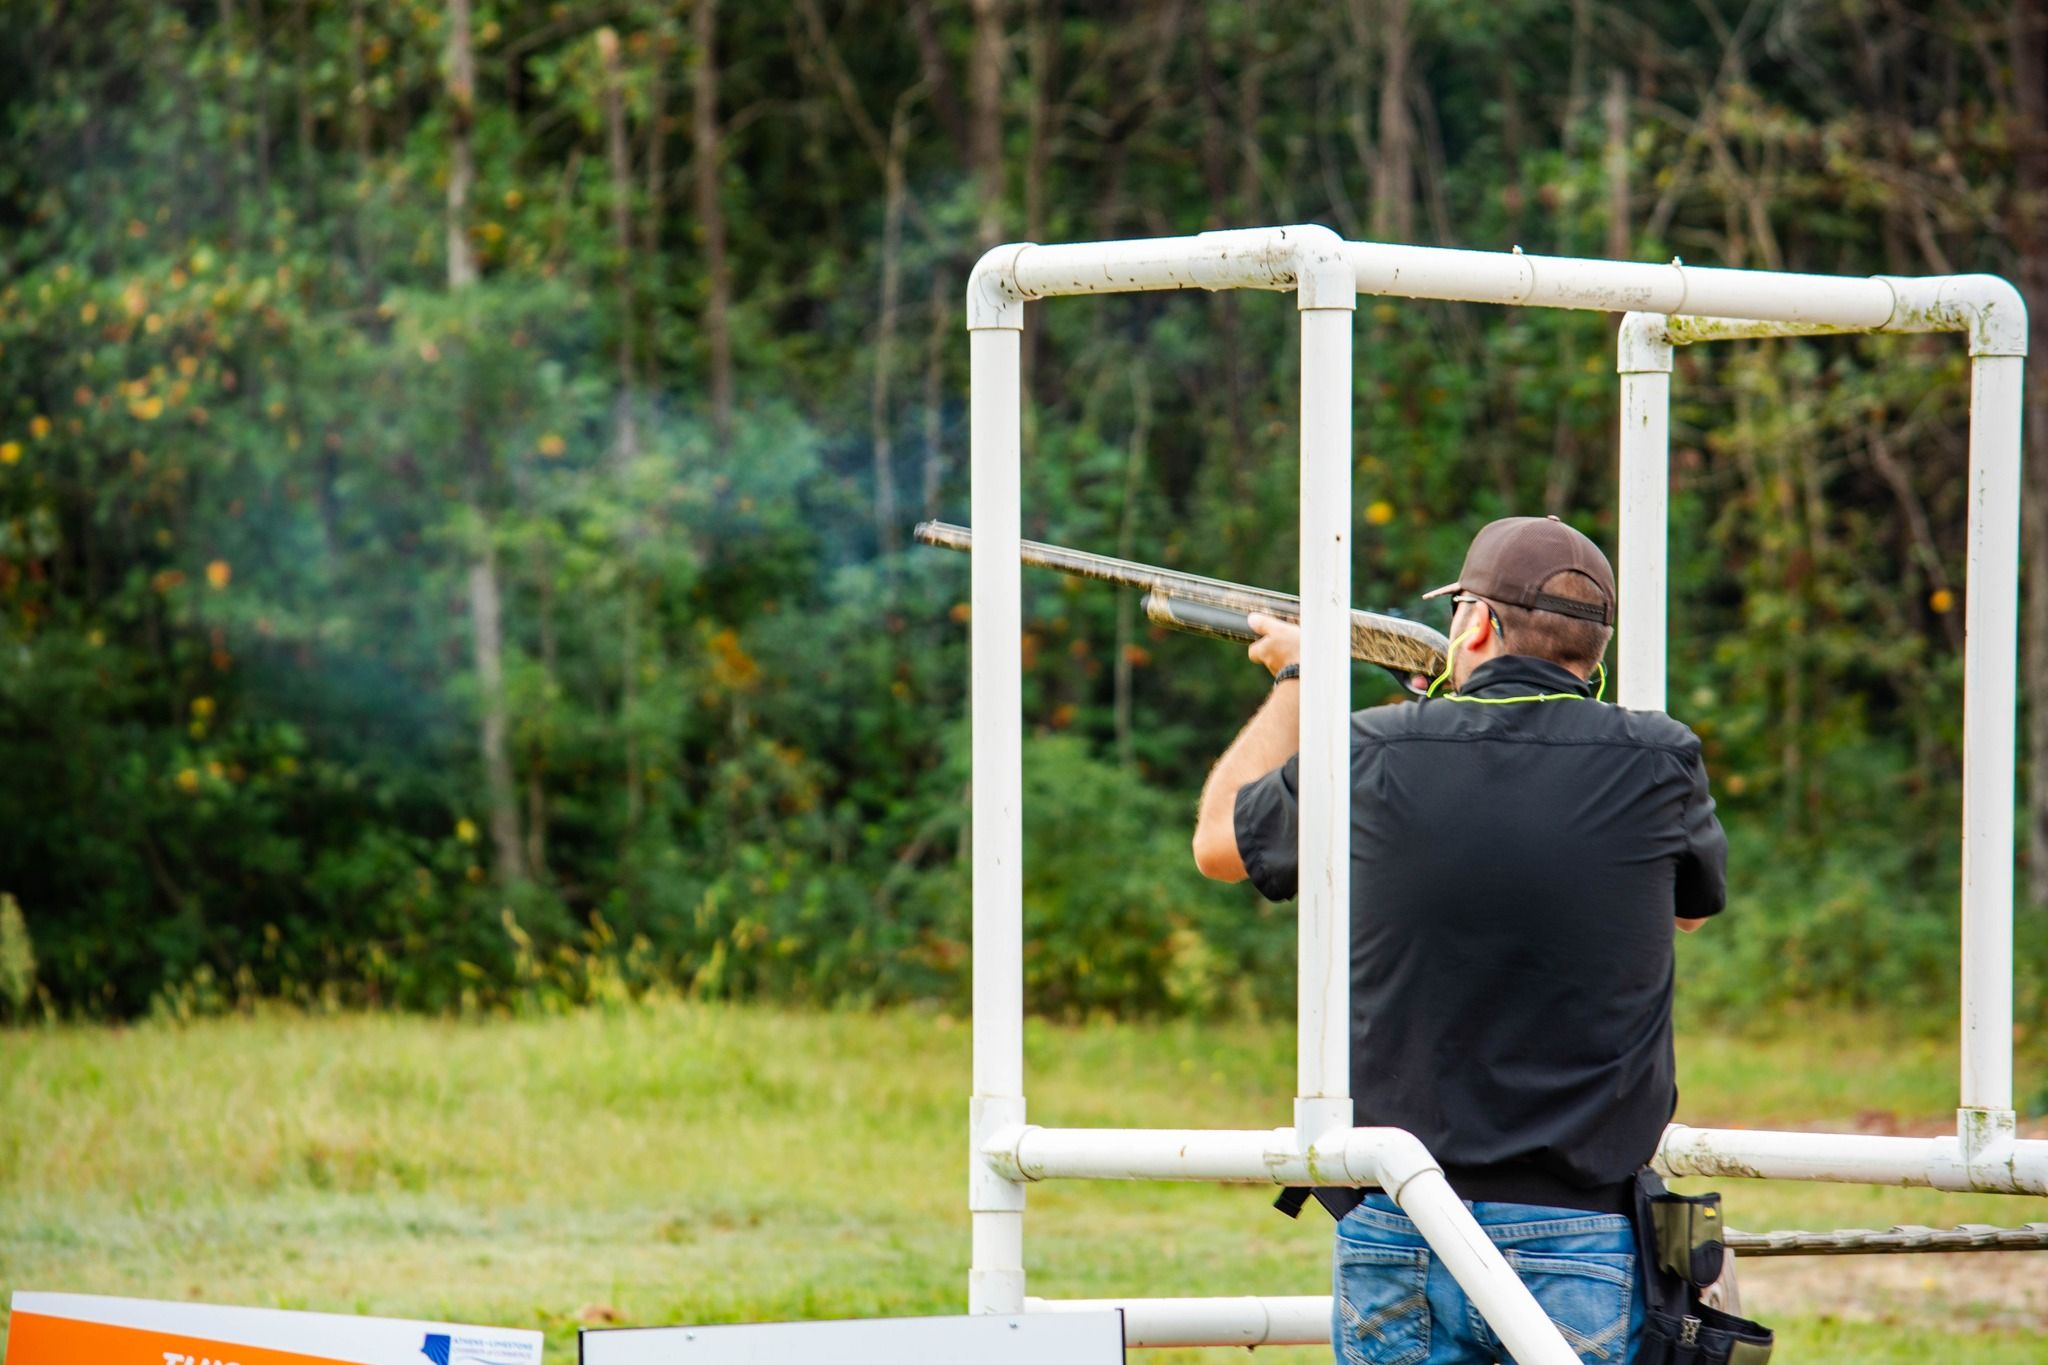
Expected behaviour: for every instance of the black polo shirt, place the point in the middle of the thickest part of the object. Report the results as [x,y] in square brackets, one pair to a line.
[1515,868]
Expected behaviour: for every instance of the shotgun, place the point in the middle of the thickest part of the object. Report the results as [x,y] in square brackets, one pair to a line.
[1209,606]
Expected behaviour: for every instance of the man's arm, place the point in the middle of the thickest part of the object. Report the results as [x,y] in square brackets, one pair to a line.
[1703,869]
[1268,740]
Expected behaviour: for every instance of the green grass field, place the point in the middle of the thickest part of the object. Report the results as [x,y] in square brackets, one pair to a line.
[685,1163]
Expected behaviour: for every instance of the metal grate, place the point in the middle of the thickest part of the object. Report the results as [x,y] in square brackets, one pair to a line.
[1906,1238]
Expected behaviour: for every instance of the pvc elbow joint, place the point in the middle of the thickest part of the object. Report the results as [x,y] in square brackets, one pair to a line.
[994,302]
[1986,308]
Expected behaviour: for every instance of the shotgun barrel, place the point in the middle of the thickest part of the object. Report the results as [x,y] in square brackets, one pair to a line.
[1211,606]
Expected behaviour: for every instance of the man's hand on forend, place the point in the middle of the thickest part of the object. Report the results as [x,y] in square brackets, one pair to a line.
[1278,645]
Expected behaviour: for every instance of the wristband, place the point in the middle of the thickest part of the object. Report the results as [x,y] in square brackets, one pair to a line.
[1290,673]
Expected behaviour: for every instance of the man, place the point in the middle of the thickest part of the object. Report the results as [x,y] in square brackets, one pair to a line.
[1520,851]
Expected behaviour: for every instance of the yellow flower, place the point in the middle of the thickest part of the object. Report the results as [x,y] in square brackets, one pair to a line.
[552,445]
[89,312]
[1942,601]
[202,707]
[10,452]
[188,780]
[39,426]
[465,830]
[147,409]
[1380,512]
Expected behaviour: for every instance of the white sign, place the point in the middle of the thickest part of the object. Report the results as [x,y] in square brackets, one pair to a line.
[82,1329]
[993,1339]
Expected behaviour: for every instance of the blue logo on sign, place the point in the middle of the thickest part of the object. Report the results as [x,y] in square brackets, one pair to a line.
[437,1348]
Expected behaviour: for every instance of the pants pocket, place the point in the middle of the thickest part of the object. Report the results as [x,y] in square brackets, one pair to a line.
[1586,1295]
[1381,1314]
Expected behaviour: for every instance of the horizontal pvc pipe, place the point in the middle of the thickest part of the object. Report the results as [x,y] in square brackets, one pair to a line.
[1762,302]
[1380,1156]
[1387,1157]
[2003,1167]
[1245,1320]
[1220,1154]
[1985,308]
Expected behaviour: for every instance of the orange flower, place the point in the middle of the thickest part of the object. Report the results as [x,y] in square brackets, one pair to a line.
[218,573]
[1380,512]
[1942,601]
[10,452]
[551,445]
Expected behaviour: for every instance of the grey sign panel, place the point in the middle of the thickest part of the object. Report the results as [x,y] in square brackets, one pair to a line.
[1020,1339]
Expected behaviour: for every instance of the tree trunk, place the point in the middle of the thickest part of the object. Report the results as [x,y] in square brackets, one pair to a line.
[1044,60]
[227,169]
[1126,548]
[652,219]
[626,432]
[985,132]
[485,610]
[1615,107]
[937,316]
[1043,47]
[1251,160]
[706,139]
[358,86]
[625,419]
[2030,239]
[931,55]
[881,422]
[1393,204]
[302,82]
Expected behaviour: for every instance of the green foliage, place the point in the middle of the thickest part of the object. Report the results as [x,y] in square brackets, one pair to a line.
[17,959]
[265,479]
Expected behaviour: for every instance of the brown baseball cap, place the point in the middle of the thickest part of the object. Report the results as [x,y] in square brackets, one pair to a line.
[1511,559]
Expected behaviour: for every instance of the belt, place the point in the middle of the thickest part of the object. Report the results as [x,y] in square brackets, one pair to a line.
[1511,1183]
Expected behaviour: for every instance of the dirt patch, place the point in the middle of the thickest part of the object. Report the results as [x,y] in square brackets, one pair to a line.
[1960,1292]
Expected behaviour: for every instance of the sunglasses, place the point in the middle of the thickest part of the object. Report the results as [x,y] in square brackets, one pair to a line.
[1464,597]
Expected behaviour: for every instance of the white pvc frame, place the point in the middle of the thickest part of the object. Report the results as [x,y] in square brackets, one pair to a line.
[1667,306]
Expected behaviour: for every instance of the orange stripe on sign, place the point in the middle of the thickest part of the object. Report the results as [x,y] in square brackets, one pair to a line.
[34,1339]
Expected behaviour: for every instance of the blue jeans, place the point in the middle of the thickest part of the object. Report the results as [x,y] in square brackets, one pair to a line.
[1397,1305]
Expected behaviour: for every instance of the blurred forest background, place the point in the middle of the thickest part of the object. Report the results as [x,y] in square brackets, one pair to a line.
[457,460]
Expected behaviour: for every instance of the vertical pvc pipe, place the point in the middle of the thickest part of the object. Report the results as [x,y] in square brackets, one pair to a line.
[996,1277]
[1643,358]
[1323,1073]
[1990,662]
